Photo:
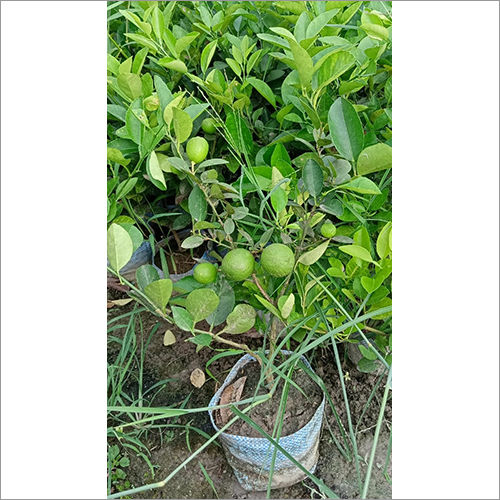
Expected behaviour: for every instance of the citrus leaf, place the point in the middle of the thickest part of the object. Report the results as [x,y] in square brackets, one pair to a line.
[313,255]
[263,89]
[204,339]
[197,204]
[346,129]
[155,172]
[267,305]
[173,64]
[357,251]
[288,306]
[130,84]
[303,62]
[312,176]
[192,242]
[375,158]
[159,292]
[182,318]
[183,125]
[319,22]
[241,319]
[362,185]
[383,241]
[145,275]
[201,303]
[207,54]
[119,246]
[125,187]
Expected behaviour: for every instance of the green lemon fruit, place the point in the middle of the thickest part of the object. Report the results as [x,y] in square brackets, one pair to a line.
[208,126]
[205,273]
[197,149]
[328,230]
[277,260]
[238,264]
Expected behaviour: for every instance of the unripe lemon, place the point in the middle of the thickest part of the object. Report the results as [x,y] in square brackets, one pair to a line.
[238,264]
[208,126]
[328,230]
[205,273]
[197,149]
[277,260]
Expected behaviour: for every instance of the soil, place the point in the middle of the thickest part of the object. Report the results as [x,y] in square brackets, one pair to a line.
[169,446]
[299,409]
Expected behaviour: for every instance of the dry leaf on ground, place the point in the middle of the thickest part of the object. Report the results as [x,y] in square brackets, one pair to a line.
[169,338]
[231,394]
[197,378]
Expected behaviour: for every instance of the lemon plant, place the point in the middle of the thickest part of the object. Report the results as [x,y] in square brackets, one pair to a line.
[262,130]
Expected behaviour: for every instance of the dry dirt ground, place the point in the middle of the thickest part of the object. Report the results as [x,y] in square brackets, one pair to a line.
[169,448]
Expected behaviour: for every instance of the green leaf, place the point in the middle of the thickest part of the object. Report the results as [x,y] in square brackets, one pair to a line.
[383,241]
[241,319]
[287,307]
[234,66]
[303,62]
[115,156]
[163,92]
[203,339]
[119,247]
[183,125]
[195,110]
[197,204]
[332,206]
[134,234]
[362,238]
[319,22]
[125,187]
[362,185]
[226,304]
[184,42]
[312,175]
[155,172]
[367,353]
[268,305]
[367,365]
[239,132]
[139,59]
[158,21]
[145,275]
[192,242]
[134,127]
[207,54]
[309,258]
[263,89]
[159,292]
[372,284]
[201,303]
[331,68]
[346,129]
[173,64]
[142,40]
[113,65]
[375,158]
[376,31]
[182,319]
[357,251]
[130,84]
